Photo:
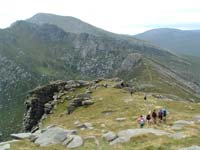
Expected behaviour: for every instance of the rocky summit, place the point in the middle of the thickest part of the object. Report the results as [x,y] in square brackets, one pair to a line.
[103,114]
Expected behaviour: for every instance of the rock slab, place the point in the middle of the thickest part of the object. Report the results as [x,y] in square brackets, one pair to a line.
[109,136]
[21,135]
[178,135]
[191,148]
[126,135]
[75,142]
[5,147]
[53,135]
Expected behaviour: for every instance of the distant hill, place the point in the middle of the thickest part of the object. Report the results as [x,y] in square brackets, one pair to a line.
[33,53]
[178,41]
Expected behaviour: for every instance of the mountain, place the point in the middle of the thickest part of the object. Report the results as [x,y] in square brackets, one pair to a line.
[74,25]
[179,41]
[32,54]
[67,23]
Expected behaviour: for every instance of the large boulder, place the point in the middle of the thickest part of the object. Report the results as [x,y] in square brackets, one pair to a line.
[54,135]
[75,141]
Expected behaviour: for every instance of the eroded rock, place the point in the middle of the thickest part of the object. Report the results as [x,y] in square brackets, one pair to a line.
[35,103]
[43,100]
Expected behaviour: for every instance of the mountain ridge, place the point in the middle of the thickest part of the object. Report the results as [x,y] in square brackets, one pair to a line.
[34,54]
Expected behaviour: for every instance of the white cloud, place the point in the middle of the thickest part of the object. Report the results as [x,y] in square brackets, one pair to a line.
[121,16]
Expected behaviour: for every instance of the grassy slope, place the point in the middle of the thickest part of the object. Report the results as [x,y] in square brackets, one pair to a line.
[122,105]
[194,66]
[147,78]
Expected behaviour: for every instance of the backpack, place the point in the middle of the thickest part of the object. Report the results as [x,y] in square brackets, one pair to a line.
[164,112]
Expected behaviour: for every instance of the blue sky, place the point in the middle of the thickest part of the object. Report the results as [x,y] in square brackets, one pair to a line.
[119,16]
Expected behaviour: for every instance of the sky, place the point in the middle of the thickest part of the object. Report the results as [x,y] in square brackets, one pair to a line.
[119,16]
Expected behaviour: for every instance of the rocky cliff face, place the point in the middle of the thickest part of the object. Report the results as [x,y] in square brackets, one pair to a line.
[35,103]
[42,101]
[10,73]
[131,61]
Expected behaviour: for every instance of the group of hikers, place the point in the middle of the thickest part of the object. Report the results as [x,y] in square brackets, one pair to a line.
[153,117]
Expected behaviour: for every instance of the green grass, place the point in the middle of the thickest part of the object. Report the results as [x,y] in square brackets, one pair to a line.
[122,105]
[147,74]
